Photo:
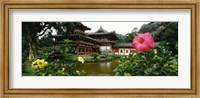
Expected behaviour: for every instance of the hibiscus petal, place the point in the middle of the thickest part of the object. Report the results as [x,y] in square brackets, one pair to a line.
[143,42]
[143,47]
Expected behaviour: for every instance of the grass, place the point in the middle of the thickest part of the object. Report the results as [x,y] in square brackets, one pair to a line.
[28,74]
[29,71]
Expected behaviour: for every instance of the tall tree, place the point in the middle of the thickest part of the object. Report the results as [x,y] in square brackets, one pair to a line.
[163,31]
[32,31]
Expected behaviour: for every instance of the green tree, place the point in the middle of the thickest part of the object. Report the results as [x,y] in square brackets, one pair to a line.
[163,31]
[128,37]
[32,32]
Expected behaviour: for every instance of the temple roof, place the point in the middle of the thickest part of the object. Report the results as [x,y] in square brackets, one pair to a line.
[123,45]
[101,30]
[105,41]
[75,37]
[81,26]
[94,34]
[101,34]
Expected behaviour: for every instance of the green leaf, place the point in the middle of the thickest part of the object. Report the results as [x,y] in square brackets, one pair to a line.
[162,43]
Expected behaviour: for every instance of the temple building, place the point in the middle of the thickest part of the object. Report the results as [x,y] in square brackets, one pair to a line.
[123,49]
[101,41]
[106,39]
[82,43]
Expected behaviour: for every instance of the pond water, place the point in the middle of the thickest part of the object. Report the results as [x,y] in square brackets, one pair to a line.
[100,68]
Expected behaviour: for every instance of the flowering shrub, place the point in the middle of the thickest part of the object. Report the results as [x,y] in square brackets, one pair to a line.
[56,68]
[39,63]
[95,55]
[149,61]
[80,59]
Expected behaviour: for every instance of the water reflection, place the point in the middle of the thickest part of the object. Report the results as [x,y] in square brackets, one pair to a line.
[100,68]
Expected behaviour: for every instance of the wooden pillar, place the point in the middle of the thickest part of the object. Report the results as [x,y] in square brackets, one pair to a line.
[91,49]
[77,49]
[98,50]
[84,50]
[87,50]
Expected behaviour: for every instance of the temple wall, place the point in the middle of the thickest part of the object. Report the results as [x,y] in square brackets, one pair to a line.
[124,51]
[104,49]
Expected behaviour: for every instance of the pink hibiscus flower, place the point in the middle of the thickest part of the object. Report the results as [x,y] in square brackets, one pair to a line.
[143,42]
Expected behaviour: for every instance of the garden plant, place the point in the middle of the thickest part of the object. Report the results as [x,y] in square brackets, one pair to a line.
[152,59]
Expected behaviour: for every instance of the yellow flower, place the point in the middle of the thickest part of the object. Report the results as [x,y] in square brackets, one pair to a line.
[34,64]
[78,72]
[42,63]
[63,69]
[80,59]
[39,63]
[127,74]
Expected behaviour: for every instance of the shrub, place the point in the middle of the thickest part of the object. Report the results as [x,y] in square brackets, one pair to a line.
[95,55]
[149,63]
[57,61]
[102,56]
[150,60]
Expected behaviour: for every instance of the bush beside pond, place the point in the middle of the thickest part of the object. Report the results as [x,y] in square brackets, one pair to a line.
[99,58]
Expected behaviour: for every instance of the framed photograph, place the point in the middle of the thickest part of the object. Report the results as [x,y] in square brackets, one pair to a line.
[100,48]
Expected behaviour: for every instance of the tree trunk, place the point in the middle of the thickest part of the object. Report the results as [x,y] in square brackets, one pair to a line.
[32,48]
[32,52]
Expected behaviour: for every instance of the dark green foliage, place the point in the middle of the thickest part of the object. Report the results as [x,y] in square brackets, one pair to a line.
[35,36]
[46,42]
[60,62]
[163,31]
[95,55]
[127,38]
[64,28]
[25,53]
[36,41]
[152,26]
[27,70]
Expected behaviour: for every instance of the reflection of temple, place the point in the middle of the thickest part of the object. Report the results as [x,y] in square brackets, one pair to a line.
[106,39]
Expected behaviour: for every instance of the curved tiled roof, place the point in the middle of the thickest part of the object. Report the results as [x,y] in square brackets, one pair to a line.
[101,30]
[101,33]
[123,45]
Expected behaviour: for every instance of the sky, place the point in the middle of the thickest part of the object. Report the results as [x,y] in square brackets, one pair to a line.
[119,27]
